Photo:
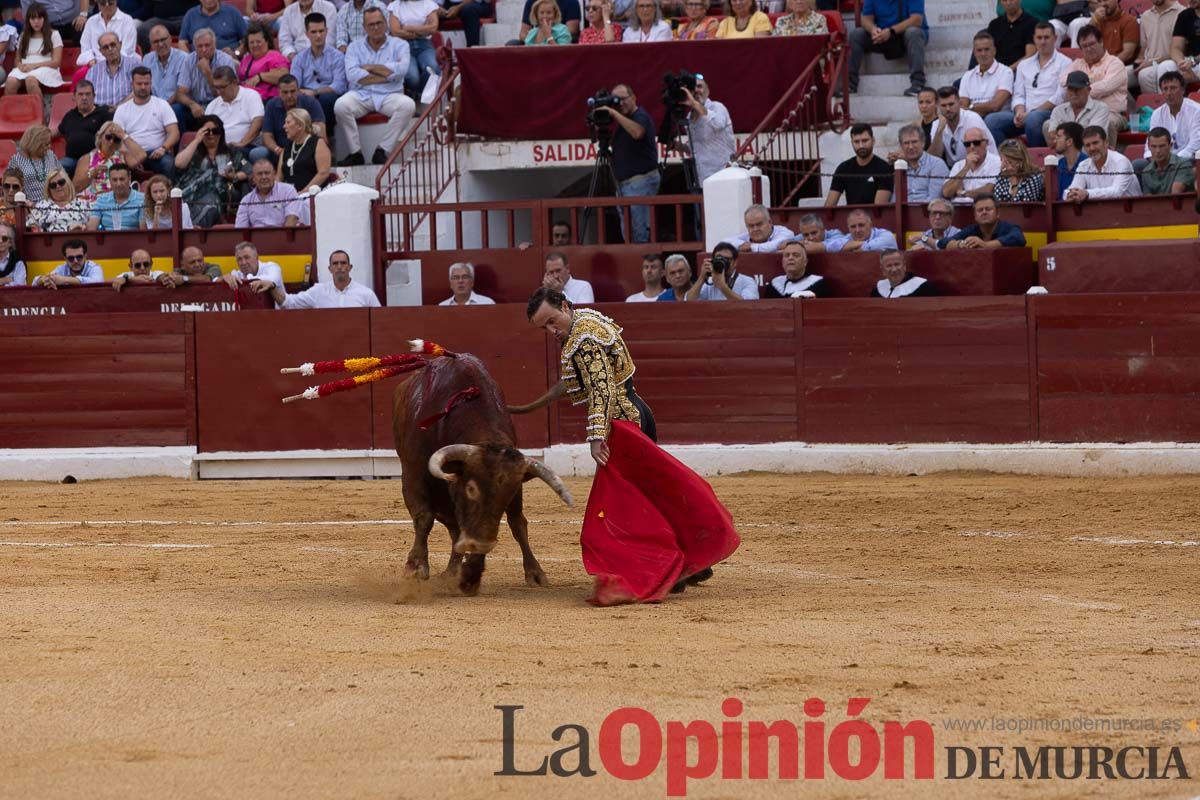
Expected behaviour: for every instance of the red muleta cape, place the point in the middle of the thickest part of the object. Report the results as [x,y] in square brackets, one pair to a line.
[649,521]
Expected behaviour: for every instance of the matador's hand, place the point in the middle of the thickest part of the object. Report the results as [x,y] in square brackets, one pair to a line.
[600,451]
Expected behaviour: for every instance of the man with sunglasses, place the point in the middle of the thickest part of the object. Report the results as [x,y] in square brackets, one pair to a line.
[976,173]
[1036,89]
[952,125]
[80,125]
[76,270]
[141,270]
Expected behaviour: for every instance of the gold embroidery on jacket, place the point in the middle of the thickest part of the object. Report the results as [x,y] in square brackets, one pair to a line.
[595,365]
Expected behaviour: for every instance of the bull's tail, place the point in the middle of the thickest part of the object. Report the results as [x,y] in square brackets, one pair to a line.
[555,392]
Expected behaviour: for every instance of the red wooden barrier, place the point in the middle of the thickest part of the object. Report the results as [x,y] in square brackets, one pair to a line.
[18,301]
[1125,266]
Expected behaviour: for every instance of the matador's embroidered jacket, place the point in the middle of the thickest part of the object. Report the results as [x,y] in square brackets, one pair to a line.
[595,365]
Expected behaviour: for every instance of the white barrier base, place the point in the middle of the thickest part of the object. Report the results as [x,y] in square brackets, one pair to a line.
[1072,460]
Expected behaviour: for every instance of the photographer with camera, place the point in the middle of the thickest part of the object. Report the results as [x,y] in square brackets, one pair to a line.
[711,131]
[720,280]
[634,159]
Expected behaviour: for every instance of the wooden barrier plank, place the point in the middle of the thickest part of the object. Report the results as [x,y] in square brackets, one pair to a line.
[1124,266]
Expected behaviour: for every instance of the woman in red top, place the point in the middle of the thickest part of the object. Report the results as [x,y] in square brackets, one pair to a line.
[600,27]
[263,65]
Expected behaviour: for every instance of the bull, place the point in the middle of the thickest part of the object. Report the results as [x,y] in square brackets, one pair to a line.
[464,471]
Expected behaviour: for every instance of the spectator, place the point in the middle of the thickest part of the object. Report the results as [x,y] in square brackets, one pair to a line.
[696,24]
[1080,106]
[711,131]
[1179,116]
[141,271]
[80,125]
[1167,172]
[113,146]
[816,238]
[926,174]
[679,279]
[760,236]
[1068,22]
[560,234]
[927,110]
[262,276]
[110,20]
[166,66]
[8,42]
[953,123]
[37,58]
[293,29]
[225,22]
[1106,75]
[196,78]
[795,282]
[350,22]
[192,269]
[545,26]
[1155,26]
[213,173]
[118,209]
[76,270]
[1037,86]
[1020,179]
[941,226]
[743,20]
[897,281]
[35,159]
[987,232]
[557,276]
[720,280]
[471,12]
[652,276]
[12,183]
[271,204]
[159,212]
[1118,30]
[600,27]
[240,110]
[265,12]
[1012,32]
[1068,143]
[1185,43]
[570,17]
[151,123]
[863,235]
[320,71]
[988,87]
[60,211]
[802,19]
[112,77]
[634,159]
[168,13]
[341,292]
[462,287]
[977,173]
[262,66]
[648,24]
[12,267]
[305,163]
[65,17]
[886,30]
[274,137]
[1106,174]
[416,21]
[375,70]
[865,179]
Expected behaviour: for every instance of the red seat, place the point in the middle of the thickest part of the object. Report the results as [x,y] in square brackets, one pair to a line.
[186,139]
[18,112]
[1071,52]
[59,145]
[1136,7]
[1153,100]
[1194,96]
[240,5]
[1130,137]
[8,149]
[1038,154]
[60,104]
[70,57]
[835,22]
[1134,151]
[374,118]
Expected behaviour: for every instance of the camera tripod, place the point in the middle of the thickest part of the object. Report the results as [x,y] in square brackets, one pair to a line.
[602,171]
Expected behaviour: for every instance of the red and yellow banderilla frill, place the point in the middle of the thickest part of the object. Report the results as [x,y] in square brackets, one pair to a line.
[369,368]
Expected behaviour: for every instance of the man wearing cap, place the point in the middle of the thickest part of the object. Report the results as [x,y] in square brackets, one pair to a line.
[1080,107]
[1107,76]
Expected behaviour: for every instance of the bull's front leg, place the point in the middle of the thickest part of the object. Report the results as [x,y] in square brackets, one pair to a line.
[470,574]
[534,576]
[456,558]
[418,558]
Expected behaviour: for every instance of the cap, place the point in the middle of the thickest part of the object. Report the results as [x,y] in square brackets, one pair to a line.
[1078,80]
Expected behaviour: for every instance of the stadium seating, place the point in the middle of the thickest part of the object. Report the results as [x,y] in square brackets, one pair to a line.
[60,104]
[8,149]
[1153,100]
[18,112]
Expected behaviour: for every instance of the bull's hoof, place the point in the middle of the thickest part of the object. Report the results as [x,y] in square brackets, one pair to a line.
[469,589]
[416,569]
[535,577]
[451,571]
[470,575]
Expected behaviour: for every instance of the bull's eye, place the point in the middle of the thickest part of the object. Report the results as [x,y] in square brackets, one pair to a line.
[472,490]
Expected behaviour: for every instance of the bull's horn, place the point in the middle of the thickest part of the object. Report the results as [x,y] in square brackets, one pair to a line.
[451,452]
[553,481]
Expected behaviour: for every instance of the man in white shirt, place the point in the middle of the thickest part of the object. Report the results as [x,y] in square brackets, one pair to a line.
[1037,88]
[760,236]
[558,277]
[462,286]
[976,174]
[240,109]
[652,276]
[988,87]
[711,141]
[151,122]
[262,276]
[1180,115]
[110,20]
[1155,28]
[946,139]
[1105,175]
[341,292]
[292,35]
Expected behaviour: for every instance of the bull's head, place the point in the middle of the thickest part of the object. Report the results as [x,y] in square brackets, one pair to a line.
[482,480]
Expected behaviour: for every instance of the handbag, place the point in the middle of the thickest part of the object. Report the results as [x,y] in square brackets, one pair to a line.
[1065,12]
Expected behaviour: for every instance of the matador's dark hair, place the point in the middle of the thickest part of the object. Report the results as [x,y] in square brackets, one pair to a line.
[543,295]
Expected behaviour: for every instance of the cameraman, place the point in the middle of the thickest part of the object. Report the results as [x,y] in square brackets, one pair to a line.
[712,143]
[634,159]
[718,274]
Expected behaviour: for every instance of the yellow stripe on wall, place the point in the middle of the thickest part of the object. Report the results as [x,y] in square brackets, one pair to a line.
[1144,232]
[293,266]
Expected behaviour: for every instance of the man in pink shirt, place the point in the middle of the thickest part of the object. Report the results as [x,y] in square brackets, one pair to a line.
[1109,82]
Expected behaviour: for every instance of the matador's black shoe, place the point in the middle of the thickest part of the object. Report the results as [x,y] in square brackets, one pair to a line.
[694,579]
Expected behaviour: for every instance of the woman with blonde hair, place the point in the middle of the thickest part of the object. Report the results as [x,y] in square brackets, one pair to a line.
[158,214]
[600,27]
[35,159]
[697,24]
[113,146]
[1020,181]
[802,19]
[546,25]
[306,159]
[743,20]
[647,24]
[60,211]
[39,55]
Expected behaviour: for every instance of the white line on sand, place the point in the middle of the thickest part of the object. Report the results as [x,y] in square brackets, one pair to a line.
[1117,541]
[149,546]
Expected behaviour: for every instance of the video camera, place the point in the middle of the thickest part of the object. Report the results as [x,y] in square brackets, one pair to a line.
[675,103]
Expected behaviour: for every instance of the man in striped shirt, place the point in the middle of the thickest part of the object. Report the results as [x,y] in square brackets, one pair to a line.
[112,77]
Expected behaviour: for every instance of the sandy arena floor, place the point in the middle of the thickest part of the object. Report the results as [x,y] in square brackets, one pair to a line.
[279,654]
